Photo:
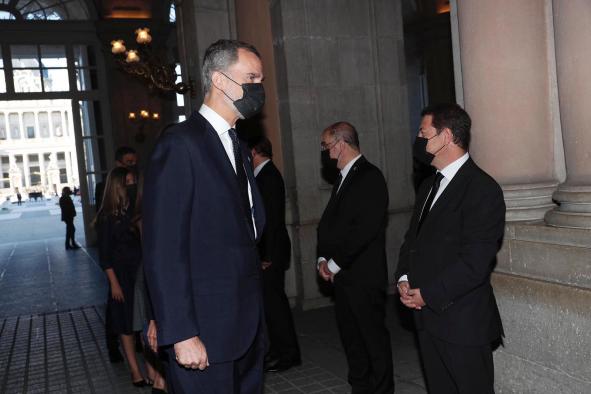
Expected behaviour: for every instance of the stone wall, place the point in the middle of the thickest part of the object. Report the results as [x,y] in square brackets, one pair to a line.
[339,60]
[543,287]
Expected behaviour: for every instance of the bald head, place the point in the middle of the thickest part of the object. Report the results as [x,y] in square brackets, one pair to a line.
[344,131]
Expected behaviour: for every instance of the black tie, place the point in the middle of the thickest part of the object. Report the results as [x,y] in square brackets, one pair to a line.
[241,176]
[432,194]
[335,186]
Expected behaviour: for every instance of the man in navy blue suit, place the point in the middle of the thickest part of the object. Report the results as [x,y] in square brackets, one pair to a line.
[203,215]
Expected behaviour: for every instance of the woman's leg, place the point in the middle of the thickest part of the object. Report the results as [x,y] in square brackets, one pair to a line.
[129,349]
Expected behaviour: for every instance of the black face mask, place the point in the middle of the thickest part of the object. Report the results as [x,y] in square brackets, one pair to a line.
[252,100]
[419,151]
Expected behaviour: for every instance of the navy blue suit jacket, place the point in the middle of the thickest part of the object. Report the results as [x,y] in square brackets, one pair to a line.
[200,255]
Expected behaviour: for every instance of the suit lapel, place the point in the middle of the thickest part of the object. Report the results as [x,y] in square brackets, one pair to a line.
[452,192]
[257,206]
[349,178]
[217,154]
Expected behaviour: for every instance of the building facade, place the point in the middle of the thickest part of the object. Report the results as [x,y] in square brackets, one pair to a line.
[37,148]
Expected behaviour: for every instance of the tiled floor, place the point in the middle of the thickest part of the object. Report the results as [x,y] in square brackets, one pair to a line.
[52,333]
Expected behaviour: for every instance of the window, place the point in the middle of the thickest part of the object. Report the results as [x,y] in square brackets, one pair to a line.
[85,63]
[35,175]
[172,13]
[5,180]
[29,124]
[61,156]
[51,10]
[43,124]
[64,175]
[39,68]
[56,122]
[15,126]
[5,159]
[2,126]
[2,80]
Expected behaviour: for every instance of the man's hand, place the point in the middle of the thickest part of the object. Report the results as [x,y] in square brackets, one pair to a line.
[265,264]
[403,288]
[412,299]
[324,271]
[191,353]
[152,336]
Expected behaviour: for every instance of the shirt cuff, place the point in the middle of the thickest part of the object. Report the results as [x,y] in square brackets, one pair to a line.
[333,267]
[403,278]
[320,260]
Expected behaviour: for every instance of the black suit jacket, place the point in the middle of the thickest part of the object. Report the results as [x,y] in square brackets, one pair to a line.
[274,245]
[200,256]
[453,255]
[353,225]
[67,208]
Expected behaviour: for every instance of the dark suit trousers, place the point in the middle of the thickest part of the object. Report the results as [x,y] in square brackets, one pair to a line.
[280,327]
[242,376]
[451,368]
[70,231]
[360,313]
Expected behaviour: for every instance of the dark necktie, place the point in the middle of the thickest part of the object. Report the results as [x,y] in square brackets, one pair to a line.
[335,186]
[430,198]
[241,176]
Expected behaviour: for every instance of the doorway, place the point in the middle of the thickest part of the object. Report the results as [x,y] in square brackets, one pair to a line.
[53,126]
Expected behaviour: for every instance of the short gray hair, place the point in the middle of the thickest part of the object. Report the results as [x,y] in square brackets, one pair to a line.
[219,56]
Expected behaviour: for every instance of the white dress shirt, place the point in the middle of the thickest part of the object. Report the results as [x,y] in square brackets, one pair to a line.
[332,266]
[448,174]
[222,127]
[258,168]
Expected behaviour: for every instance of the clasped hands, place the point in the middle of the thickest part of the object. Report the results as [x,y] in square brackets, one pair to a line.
[191,354]
[324,272]
[411,298]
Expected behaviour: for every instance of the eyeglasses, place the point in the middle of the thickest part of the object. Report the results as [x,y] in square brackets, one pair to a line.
[324,146]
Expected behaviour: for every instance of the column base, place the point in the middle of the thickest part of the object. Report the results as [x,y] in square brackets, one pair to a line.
[575,207]
[528,201]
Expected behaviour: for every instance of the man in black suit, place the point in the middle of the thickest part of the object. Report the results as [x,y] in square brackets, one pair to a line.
[202,218]
[352,255]
[448,255]
[275,252]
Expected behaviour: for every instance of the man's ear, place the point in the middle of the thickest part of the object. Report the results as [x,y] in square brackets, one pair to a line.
[218,80]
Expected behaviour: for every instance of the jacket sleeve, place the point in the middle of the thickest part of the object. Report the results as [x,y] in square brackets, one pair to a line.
[368,219]
[481,237]
[273,194]
[168,197]
[105,245]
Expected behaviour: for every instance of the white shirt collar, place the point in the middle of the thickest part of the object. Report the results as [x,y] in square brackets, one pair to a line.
[347,168]
[260,167]
[451,169]
[218,123]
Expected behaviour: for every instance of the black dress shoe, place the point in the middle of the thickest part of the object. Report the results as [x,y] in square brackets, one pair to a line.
[283,365]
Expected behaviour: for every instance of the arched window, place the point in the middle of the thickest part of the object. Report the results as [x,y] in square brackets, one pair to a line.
[49,10]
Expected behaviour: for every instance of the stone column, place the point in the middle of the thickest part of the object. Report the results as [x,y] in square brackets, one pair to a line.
[573,51]
[505,49]
[26,169]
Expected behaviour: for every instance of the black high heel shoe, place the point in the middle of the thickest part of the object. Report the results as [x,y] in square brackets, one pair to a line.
[140,383]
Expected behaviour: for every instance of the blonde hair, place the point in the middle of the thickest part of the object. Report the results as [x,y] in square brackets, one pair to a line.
[115,200]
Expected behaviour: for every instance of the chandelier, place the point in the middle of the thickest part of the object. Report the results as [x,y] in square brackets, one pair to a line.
[143,63]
